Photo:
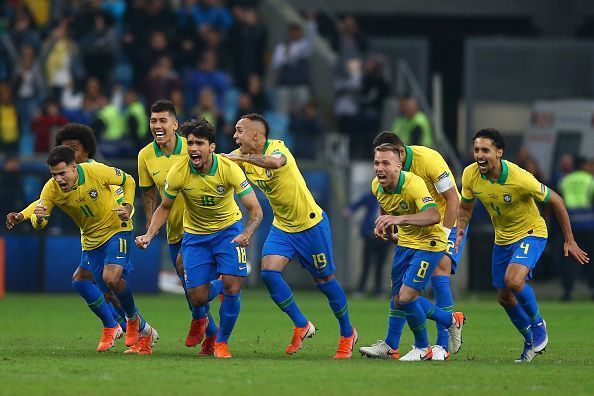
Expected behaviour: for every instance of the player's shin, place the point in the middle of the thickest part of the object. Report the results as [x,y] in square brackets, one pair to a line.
[281,294]
[228,314]
[445,301]
[417,321]
[396,321]
[338,302]
[95,300]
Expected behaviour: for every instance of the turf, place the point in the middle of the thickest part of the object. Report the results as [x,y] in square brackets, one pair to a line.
[47,346]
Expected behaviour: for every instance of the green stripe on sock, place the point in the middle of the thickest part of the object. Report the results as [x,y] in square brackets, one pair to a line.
[96,303]
[396,313]
[448,309]
[286,303]
[525,331]
[420,328]
[430,312]
[120,320]
[341,313]
[533,318]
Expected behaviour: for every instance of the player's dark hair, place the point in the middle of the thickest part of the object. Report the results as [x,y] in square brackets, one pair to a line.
[258,118]
[164,105]
[83,133]
[493,134]
[199,127]
[387,137]
[388,147]
[60,154]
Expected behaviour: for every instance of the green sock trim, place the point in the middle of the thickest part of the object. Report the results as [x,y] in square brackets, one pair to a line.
[286,303]
[533,318]
[430,312]
[525,331]
[448,309]
[97,303]
[120,320]
[420,328]
[396,313]
[341,313]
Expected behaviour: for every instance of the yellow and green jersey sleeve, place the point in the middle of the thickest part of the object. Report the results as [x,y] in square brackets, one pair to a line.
[410,197]
[292,203]
[209,198]
[510,201]
[430,166]
[153,168]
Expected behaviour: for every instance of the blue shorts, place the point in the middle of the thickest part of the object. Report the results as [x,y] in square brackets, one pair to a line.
[116,250]
[174,249]
[206,255]
[451,252]
[526,251]
[313,247]
[413,267]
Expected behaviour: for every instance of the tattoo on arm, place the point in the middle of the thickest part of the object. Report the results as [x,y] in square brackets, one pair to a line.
[149,203]
[252,223]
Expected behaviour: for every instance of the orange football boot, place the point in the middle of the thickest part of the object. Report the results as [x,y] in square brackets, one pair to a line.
[345,345]
[300,334]
[132,332]
[144,345]
[197,330]
[221,350]
[108,338]
[208,346]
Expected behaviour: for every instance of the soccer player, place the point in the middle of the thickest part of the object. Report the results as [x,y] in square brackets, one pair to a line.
[509,194]
[214,239]
[300,227]
[430,166]
[82,140]
[83,192]
[154,162]
[406,203]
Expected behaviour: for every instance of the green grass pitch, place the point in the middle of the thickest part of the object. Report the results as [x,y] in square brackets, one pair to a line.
[47,346]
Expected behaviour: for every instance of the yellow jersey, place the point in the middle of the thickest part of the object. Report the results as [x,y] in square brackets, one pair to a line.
[509,201]
[294,207]
[208,198]
[117,191]
[90,202]
[153,166]
[430,166]
[409,197]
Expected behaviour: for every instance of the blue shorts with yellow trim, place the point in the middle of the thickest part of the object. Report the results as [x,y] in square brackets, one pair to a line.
[526,251]
[451,251]
[413,267]
[207,255]
[116,250]
[313,247]
[174,249]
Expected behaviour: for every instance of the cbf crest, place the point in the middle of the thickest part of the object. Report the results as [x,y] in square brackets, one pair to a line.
[94,194]
[507,198]
[404,205]
[268,173]
[221,189]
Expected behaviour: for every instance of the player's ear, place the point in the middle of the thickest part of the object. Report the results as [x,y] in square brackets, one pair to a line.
[212,147]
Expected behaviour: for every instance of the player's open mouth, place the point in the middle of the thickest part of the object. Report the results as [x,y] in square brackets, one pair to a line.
[159,134]
[382,178]
[482,164]
[195,157]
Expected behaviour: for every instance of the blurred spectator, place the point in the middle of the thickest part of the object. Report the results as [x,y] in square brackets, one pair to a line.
[532,166]
[347,88]
[86,17]
[10,175]
[374,91]
[61,60]
[207,108]
[247,44]
[290,60]
[412,125]
[46,124]
[161,80]
[189,43]
[350,42]
[112,138]
[177,97]
[212,40]
[93,98]
[210,13]
[245,105]
[99,48]
[564,167]
[9,121]
[374,250]
[28,86]
[22,31]
[208,75]
[256,91]
[135,118]
[577,189]
[306,130]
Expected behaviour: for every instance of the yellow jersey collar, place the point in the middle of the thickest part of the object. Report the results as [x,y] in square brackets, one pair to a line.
[398,189]
[176,150]
[409,157]
[213,168]
[502,177]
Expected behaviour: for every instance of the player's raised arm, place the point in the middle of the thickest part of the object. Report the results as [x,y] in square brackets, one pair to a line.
[14,218]
[570,246]
[274,161]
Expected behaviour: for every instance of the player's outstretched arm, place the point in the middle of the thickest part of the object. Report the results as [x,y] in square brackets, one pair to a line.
[250,201]
[13,218]
[263,161]
[428,217]
[464,213]
[451,211]
[570,246]
[158,220]
[41,214]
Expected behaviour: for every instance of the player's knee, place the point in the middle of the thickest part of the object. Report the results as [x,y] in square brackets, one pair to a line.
[198,300]
[111,298]
[111,280]
[505,298]
[514,284]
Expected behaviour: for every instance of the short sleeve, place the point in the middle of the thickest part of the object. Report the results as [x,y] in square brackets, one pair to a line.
[109,176]
[238,180]
[537,190]
[145,181]
[172,185]
[440,175]
[467,195]
[422,197]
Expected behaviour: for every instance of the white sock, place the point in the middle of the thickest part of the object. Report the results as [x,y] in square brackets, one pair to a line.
[146,331]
